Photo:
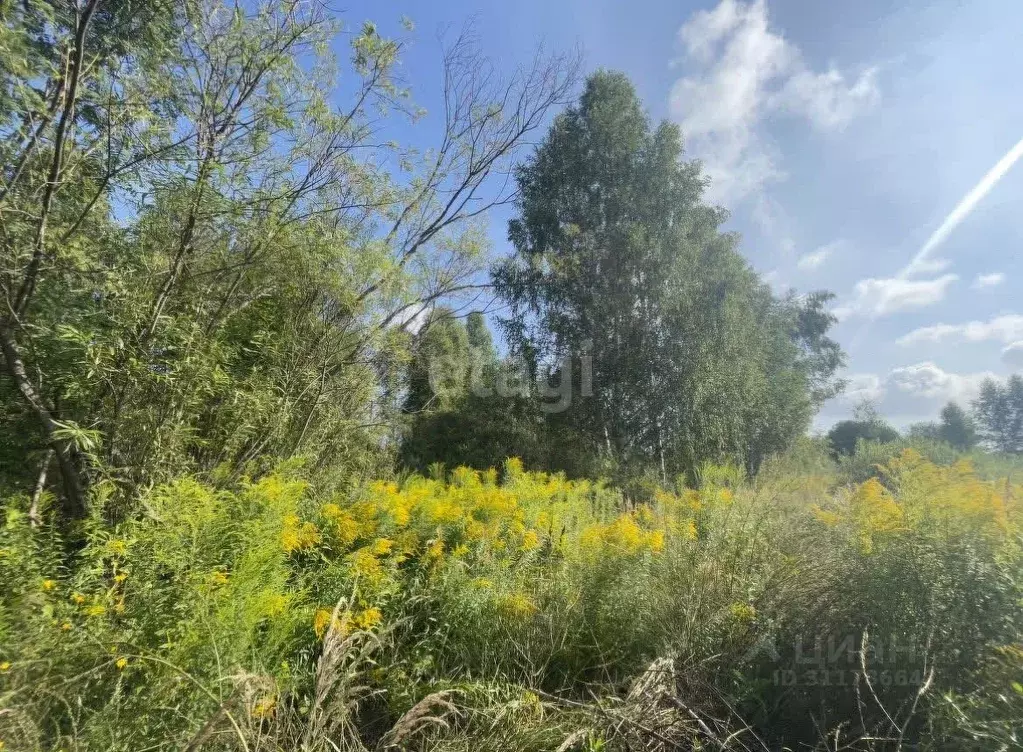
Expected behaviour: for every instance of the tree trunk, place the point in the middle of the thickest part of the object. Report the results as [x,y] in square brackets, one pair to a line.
[34,517]
[63,450]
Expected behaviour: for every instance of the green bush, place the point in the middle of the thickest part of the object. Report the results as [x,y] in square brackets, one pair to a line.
[523,610]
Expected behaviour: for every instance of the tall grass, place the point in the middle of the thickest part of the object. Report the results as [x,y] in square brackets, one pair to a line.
[518,610]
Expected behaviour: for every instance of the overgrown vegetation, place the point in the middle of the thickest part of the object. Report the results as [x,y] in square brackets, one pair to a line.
[525,611]
[254,465]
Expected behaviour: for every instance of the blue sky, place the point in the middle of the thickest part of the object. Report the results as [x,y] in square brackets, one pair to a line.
[840,135]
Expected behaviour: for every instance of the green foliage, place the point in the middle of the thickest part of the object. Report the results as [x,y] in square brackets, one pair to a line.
[444,363]
[223,315]
[164,611]
[531,608]
[206,262]
[846,435]
[483,428]
[957,429]
[999,413]
[616,255]
[465,408]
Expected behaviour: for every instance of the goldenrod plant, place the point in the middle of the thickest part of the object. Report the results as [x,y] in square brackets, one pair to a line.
[269,484]
[429,612]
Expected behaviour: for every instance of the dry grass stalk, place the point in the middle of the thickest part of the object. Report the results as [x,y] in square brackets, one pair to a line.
[424,713]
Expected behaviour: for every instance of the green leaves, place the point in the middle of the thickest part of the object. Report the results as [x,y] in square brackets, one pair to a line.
[999,411]
[693,358]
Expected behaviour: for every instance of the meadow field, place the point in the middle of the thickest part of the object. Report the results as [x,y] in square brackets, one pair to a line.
[510,609]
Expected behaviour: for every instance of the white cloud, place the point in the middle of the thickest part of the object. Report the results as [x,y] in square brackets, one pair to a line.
[863,386]
[909,393]
[843,313]
[929,381]
[881,297]
[741,72]
[814,259]
[827,99]
[1007,328]
[988,280]
[1012,354]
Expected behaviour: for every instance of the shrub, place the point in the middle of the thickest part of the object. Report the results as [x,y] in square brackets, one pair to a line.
[516,608]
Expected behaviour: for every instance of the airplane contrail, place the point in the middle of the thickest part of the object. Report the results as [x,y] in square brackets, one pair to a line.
[964,207]
[955,217]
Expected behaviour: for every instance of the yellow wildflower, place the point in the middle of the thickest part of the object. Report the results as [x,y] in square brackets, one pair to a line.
[95,610]
[399,511]
[382,546]
[116,547]
[368,618]
[531,703]
[298,536]
[66,626]
[655,541]
[693,500]
[347,530]
[407,541]
[624,534]
[274,604]
[742,612]
[445,511]
[831,519]
[365,513]
[321,621]
[517,606]
[121,663]
[435,550]
[475,530]
[331,510]
[78,598]
[218,578]
[365,564]
[264,707]
[5,666]
[530,541]
[592,538]
[464,476]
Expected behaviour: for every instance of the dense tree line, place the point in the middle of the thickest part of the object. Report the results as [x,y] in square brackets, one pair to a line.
[999,414]
[994,422]
[206,264]
[209,265]
[618,261]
